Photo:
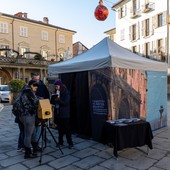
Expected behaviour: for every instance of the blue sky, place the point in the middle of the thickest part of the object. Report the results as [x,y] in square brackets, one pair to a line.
[77,15]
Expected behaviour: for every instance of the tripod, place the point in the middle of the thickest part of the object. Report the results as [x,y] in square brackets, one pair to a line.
[44,126]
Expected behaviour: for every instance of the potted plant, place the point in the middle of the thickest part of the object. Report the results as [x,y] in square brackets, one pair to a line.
[15,87]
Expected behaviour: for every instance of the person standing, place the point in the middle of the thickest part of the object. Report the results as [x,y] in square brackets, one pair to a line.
[62,112]
[42,93]
[30,106]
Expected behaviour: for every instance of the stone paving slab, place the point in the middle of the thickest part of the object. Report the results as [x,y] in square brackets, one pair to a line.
[86,154]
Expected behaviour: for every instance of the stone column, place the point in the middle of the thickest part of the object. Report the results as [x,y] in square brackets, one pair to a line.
[23,74]
[19,73]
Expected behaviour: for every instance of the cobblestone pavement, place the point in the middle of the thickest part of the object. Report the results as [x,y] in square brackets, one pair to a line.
[86,154]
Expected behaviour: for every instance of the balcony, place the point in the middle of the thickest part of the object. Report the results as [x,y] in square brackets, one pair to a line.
[135,13]
[148,7]
[24,62]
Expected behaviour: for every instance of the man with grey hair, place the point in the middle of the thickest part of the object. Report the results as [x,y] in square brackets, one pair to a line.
[42,93]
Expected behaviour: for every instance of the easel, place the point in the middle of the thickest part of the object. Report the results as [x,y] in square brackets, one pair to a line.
[44,126]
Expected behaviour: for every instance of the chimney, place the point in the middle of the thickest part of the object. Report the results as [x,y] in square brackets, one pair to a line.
[45,20]
[21,14]
[24,15]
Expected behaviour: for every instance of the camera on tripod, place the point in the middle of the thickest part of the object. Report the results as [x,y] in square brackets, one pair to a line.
[44,109]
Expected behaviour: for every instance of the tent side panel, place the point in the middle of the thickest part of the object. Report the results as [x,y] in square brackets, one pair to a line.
[157,99]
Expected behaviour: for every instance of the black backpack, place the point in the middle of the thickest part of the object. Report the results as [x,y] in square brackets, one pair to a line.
[17,108]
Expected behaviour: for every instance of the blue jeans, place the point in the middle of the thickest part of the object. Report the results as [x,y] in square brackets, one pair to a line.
[36,134]
[29,126]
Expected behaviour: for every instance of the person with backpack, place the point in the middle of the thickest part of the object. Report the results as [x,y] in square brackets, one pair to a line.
[21,134]
[27,117]
[17,109]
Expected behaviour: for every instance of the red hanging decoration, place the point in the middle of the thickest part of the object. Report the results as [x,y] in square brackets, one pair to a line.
[101,12]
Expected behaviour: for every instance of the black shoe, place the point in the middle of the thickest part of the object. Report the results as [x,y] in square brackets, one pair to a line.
[38,149]
[59,144]
[28,153]
[70,146]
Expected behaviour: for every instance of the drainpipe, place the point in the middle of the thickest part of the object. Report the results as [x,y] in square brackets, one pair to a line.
[12,33]
[56,44]
[168,48]
[168,59]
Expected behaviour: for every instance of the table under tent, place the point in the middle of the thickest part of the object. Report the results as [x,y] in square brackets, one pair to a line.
[110,82]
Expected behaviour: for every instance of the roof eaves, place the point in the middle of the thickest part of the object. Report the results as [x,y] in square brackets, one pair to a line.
[37,22]
[118,3]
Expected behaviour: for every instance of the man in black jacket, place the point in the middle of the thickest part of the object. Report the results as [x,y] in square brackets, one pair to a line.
[42,93]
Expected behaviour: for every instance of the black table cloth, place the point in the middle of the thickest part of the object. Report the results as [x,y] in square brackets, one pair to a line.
[127,135]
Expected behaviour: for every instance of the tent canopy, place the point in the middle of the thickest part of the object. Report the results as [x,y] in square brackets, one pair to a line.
[106,54]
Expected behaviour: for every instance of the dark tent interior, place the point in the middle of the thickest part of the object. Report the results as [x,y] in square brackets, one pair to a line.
[77,84]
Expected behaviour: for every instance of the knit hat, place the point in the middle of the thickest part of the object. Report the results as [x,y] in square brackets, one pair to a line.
[58,83]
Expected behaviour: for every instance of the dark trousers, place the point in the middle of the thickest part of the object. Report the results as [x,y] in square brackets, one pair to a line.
[63,125]
[21,135]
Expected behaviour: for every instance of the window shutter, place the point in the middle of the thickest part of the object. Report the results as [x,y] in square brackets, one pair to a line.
[155,21]
[151,30]
[143,50]
[130,33]
[143,29]
[138,30]
[119,13]
[124,10]
[164,18]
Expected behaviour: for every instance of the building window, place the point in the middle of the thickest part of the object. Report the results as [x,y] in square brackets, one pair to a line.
[4,53]
[23,31]
[134,49]
[147,50]
[160,20]
[147,31]
[45,35]
[159,44]
[24,49]
[122,12]
[4,46]
[44,54]
[3,27]
[62,38]
[146,27]
[134,5]
[134,33]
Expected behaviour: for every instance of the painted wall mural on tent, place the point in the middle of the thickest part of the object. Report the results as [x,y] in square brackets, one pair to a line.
[117,93]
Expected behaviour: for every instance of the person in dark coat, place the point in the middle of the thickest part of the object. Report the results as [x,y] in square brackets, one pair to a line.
[62,112]
[42,93]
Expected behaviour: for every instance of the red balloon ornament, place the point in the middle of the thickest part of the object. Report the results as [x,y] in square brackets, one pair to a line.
[101,12]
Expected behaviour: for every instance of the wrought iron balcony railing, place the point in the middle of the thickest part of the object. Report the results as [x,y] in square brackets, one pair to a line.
[23,61]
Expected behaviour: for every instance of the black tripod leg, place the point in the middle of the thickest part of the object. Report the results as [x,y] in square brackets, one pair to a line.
[45,138]
[55,140]
[42,136]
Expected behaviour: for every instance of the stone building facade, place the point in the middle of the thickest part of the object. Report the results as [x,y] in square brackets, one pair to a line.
[28,46]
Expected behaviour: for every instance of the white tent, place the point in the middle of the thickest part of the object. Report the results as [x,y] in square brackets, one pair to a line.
[103,55]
